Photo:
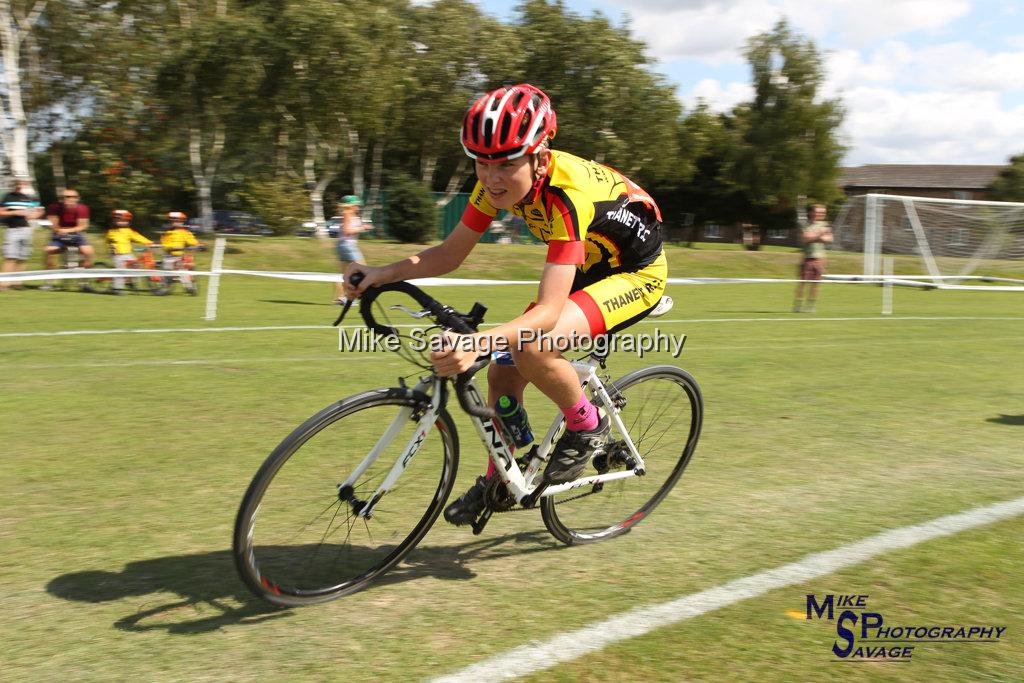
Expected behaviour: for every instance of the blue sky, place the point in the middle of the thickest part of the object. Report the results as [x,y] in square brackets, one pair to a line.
[923,81]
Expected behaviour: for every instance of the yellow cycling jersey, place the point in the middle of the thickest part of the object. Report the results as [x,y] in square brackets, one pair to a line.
[121,239]
[588,214]
[175,240]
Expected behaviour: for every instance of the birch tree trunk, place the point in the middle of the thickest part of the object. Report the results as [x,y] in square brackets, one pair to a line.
[317,186]
[459,175]
[13,31]
[376,174]
[203,174]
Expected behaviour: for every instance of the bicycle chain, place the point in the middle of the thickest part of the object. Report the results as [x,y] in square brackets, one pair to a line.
[557,502]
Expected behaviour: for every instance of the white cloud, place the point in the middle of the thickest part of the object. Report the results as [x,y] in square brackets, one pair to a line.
[718,97]
[717,31]
[887,126]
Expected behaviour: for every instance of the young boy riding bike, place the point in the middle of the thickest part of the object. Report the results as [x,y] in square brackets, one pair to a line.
[120,238]
[174,240]
[605,269]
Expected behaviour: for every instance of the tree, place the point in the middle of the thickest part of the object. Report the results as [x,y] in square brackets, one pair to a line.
[208,95]
[1009,184]
[18,22]
[449,68]
[611,107]
[790,147]
[412,216]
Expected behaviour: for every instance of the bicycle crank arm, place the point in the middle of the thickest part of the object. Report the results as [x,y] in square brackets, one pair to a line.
[482,520]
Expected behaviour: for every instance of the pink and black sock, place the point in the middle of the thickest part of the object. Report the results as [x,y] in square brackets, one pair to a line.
[582,417]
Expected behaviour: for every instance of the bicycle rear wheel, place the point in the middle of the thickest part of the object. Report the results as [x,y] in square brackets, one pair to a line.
[297,538]
[103,284]
[663,413]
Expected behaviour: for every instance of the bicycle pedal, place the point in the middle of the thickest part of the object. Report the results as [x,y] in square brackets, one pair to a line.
[481,521]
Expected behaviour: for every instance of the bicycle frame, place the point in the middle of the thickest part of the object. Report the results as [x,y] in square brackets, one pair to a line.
[522,484]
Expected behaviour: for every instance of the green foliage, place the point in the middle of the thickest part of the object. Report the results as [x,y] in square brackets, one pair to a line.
[789,147]
[279,201]
[285,96]
[610,106]
[412,214]
[1009,185]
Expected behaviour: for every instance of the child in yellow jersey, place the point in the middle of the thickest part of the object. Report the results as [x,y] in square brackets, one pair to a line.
[605,270]
[174,241]
[120,238]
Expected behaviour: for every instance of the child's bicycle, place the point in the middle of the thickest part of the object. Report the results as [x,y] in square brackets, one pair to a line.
[142,259]
[181,265]
[355,487]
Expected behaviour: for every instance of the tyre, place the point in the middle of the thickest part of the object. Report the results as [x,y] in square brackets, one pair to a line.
[663,413]
[101,285]
[157,286]
[297,540]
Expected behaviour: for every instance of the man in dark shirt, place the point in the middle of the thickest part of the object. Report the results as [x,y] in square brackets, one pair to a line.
[16,209]
[69,220]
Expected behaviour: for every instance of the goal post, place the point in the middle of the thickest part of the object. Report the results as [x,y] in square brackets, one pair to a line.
[951,237]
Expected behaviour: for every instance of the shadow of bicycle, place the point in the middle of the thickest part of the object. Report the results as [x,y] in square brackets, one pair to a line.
[213,597]
[1014,420]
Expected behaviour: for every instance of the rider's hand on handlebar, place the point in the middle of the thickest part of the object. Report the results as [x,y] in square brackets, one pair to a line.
[371,276]
[456,355]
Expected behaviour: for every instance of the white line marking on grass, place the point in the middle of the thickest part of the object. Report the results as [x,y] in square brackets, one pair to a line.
[541,655]
[206,361]
[166,330]
[270,328]
[823,319]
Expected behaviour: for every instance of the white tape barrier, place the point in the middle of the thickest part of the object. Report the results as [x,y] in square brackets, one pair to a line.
[906,280]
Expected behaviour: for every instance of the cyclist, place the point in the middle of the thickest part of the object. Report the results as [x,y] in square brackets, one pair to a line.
[604,271]
[174,240]
[70,220]
[120,238]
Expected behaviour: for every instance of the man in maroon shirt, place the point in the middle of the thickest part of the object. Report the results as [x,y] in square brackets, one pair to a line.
[69,220]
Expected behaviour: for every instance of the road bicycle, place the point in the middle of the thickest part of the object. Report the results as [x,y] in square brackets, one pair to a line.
[354,488]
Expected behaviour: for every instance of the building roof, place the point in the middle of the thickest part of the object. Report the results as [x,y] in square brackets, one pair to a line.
[919,175]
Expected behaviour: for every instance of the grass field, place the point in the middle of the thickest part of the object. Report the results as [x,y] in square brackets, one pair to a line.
[125,457]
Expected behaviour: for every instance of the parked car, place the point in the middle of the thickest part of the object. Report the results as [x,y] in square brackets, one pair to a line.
[308,228]
[239,223]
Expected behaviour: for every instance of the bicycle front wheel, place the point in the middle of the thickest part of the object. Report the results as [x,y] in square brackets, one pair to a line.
[663,412]
[297,537]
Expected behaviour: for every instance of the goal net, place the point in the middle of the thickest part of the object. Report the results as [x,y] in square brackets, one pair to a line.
[953,239]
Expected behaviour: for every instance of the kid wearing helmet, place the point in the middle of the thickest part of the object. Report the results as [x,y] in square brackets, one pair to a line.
[348,244]
[174,240]
[605,269]
[120,238]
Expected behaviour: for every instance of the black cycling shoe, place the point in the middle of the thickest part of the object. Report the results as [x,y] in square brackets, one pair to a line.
[469,505]
[574,450]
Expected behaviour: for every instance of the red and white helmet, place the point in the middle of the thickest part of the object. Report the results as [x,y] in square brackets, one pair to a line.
[508,123]
[121,215]
[176,216]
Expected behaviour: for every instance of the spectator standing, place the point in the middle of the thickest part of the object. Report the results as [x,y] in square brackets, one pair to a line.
[348,243]
[17,208]
[69,219]
[815,237]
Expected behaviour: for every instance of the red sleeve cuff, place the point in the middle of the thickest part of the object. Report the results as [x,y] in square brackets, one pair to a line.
[475,219]
[566,253]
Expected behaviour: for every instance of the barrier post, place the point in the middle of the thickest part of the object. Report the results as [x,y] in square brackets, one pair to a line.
[214,285]
[887,285]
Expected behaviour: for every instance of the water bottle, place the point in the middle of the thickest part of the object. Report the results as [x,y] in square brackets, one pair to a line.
[513,417]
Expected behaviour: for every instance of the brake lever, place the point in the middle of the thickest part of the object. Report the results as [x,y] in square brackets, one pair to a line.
[406,309]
